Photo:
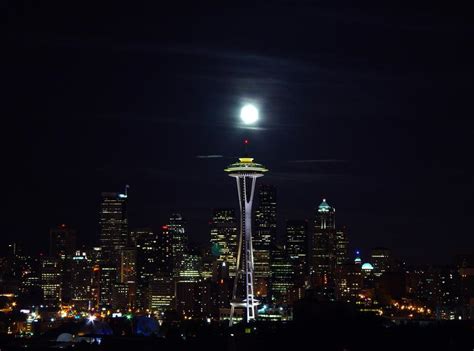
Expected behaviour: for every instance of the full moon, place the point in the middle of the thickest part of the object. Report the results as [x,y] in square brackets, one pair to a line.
[249,114]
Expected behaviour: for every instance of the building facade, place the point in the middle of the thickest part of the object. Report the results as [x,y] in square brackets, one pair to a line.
[328,250]
[264,237]
[224,232]
[113,222]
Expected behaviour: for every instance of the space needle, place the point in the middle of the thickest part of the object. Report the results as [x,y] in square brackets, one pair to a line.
[245,172]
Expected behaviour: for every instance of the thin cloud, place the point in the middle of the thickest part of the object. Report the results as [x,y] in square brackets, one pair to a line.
[209,156]
[319,161]
[306,177]
[250,127]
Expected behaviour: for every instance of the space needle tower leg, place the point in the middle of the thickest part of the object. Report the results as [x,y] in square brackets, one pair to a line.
[249,266]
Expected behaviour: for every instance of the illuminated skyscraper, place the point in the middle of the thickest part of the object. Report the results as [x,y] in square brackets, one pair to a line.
[296,244]
[282,269]
[328,249]
[95,256]
[381,259]
[147,249]
[113,225]
[245,173]
[161,293]
[108,278]
[113,238]
[191,268]
[81,282]
[51,281]
[179,241]
[342,247]
[128,261]
[322,249]
[265,217]
[224,237]
[128,273]
[264,237]
[62,245]
[165,252]
[349,282]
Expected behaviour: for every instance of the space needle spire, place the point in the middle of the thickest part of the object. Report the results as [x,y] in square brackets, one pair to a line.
[245,172]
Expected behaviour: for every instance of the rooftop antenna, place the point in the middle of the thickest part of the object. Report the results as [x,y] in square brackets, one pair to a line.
[126,189]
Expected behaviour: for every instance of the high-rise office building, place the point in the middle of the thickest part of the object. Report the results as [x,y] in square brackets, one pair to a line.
[161,293]
[62,246]
[165,252]
[120,297]
[113,222]
[108,278]
[95,256]
[282,279]
[264,237]
[322,253]
[179,241]
[128,261]
[51,281]
[297,244]
[349,282]
[113,225]
[128,273]
[381,259]
[265,217]
[224,229]
[327,250]
[342,246]
[265,225]
[191,268]
[147,262]
[81,282]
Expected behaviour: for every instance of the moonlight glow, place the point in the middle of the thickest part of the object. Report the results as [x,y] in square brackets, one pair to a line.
[249,114]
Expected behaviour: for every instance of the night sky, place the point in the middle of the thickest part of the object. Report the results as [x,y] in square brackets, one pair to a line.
[369,107]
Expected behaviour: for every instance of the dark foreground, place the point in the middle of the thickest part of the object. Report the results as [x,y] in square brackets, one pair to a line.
[361,333]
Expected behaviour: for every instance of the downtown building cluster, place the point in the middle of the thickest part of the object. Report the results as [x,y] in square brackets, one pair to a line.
[155,272]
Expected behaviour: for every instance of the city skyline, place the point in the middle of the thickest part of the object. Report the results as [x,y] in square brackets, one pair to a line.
[202,240]
[142,272]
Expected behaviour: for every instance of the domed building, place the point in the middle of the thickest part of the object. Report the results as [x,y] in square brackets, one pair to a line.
[367,267]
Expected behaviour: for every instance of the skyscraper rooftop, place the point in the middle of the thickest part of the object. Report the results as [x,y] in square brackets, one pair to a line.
[324,207]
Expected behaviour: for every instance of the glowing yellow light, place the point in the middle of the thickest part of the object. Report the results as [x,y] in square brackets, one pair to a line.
[246,159]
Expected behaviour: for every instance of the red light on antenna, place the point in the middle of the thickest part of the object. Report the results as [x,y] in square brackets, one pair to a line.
[246,141]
